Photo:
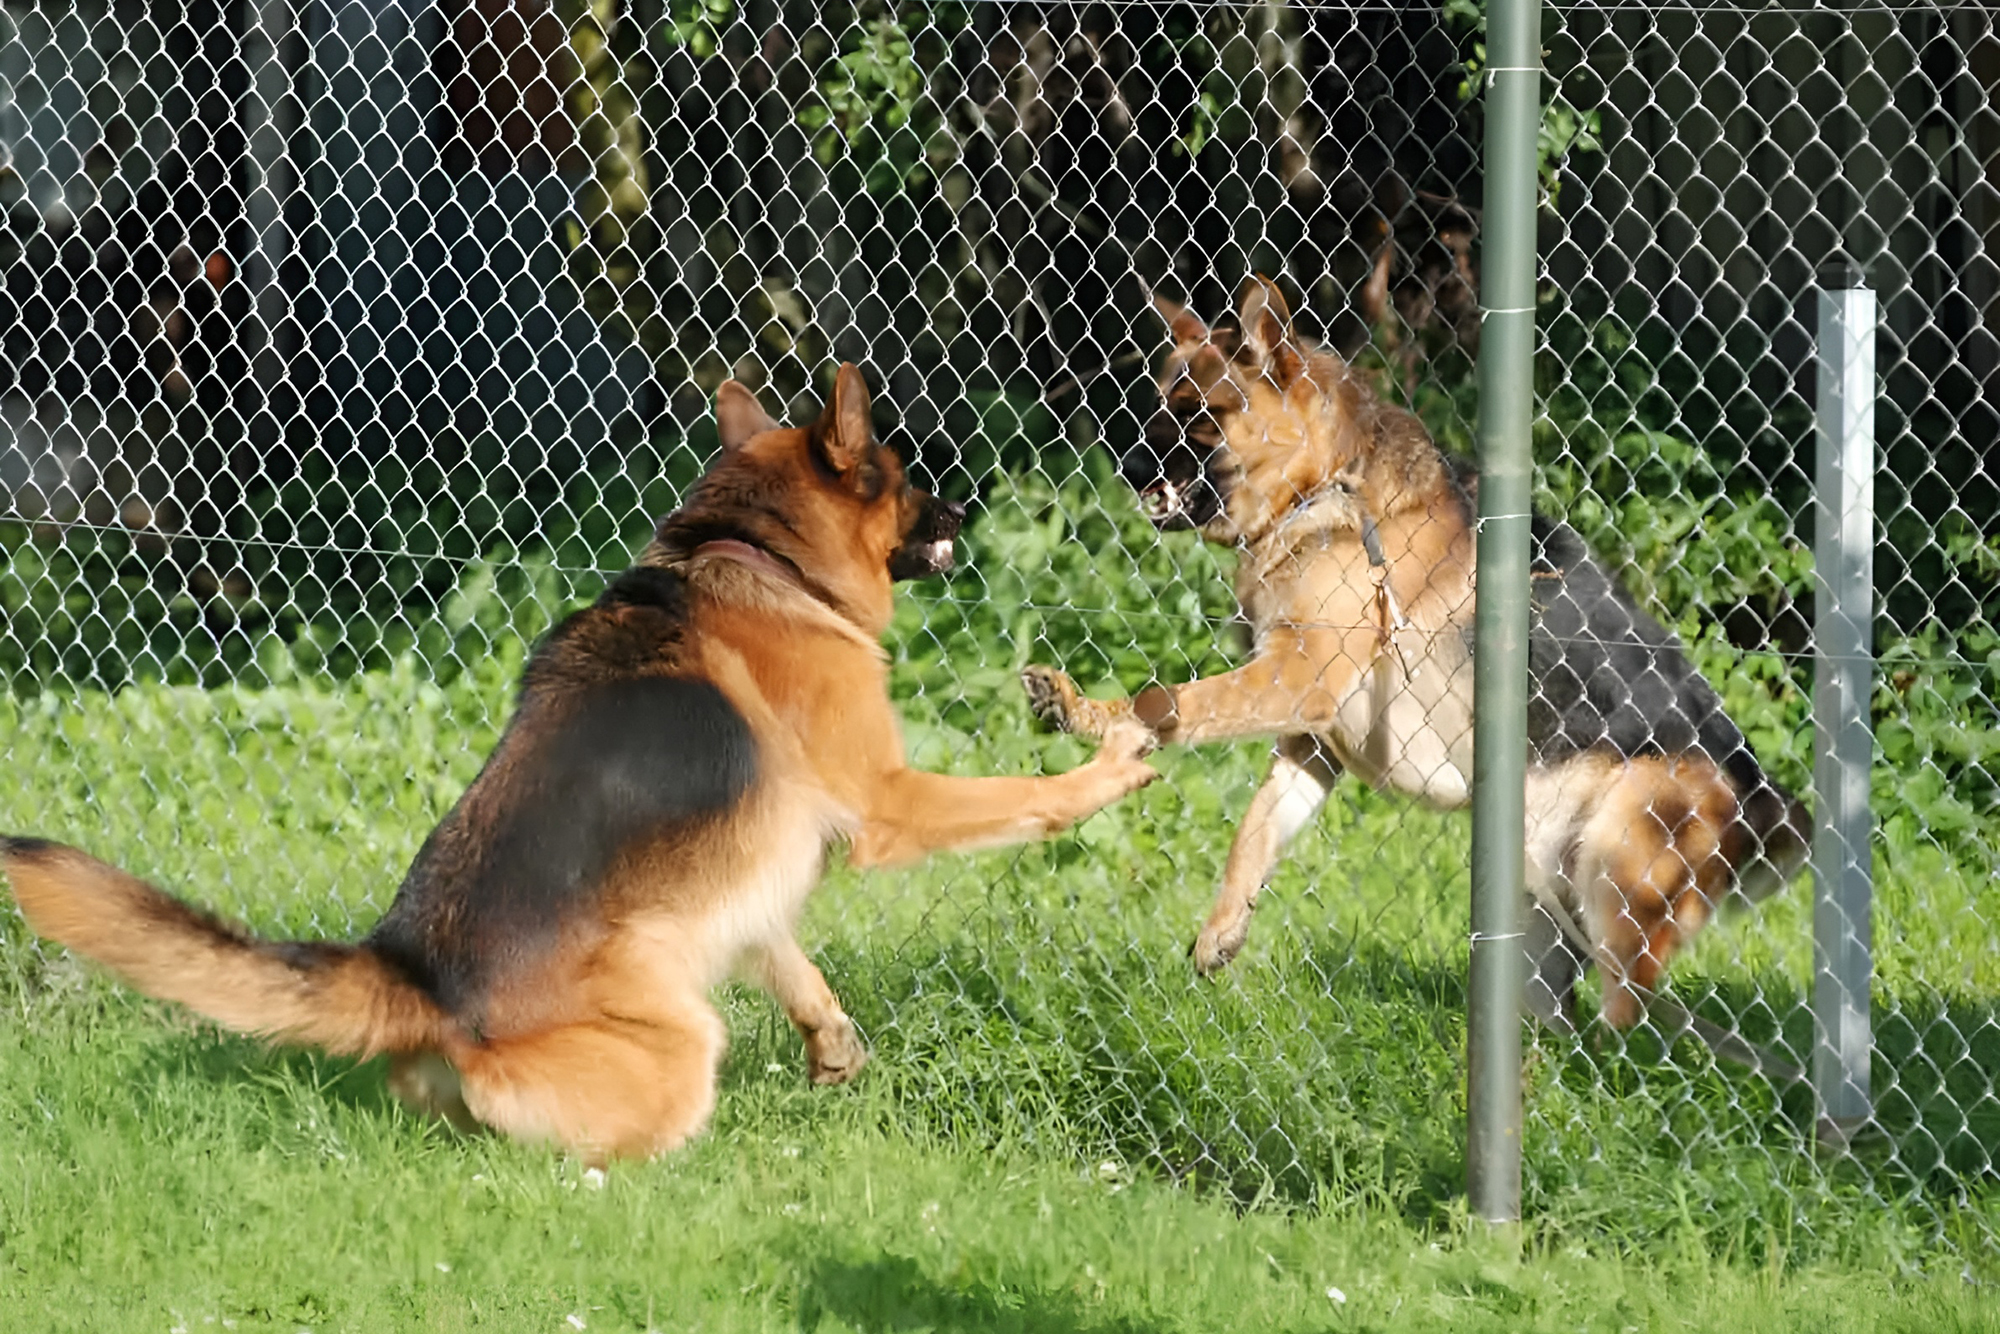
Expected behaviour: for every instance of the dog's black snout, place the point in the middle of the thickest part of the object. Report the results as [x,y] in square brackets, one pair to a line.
[1144,464]
[1166,453]
[1164,430]
[926,548]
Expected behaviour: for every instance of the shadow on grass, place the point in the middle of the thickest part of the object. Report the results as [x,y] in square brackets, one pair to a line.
[1935,1076]
[1333,1071]
[1330,1072]
[891,1293]
[283,1072]
[1336,1077]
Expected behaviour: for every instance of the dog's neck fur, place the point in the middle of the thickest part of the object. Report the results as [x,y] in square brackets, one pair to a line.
[1356,459]
[744,575]
[753,556]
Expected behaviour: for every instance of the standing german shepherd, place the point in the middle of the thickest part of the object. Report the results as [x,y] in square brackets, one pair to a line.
[655,813]
[1645,806]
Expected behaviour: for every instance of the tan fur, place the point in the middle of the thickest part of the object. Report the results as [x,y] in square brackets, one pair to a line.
[357,1007]
[1649,870]
[601,1038]
[1367,667]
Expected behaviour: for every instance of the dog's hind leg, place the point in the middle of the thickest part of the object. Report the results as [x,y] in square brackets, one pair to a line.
[1302,773]
[610,1087]
[1555,962]
[426,1083]
[1651,871]
[834,1053]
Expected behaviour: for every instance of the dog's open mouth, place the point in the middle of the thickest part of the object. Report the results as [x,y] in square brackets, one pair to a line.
[1163,502]
[927,550]
[922,559]
[937,554]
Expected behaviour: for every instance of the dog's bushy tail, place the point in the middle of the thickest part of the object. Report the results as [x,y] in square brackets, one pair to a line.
[341,998]
[1780,829]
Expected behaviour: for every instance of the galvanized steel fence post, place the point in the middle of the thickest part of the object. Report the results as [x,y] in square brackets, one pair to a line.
[1843,842]
[1506,412]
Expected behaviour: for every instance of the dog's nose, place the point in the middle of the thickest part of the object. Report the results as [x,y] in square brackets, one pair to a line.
[1164,430]
[951,514]
[1140,465]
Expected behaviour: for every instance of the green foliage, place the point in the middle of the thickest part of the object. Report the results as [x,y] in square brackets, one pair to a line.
[1563,131]
[1202,117]
[995,433]
[874,105]
[388,578]
[1061,566]
[609,229]
[696,24]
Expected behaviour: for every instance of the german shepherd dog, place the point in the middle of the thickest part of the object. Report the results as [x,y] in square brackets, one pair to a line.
[1645,806]
[655,813]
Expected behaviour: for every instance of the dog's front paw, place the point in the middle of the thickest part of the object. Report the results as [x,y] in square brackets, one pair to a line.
[1120,762]
[834,1054]
[1057,702]
[1126,738]
[1052,696]
[1218,943]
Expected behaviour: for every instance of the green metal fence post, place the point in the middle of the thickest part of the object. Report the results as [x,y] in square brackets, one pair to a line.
[1500,700]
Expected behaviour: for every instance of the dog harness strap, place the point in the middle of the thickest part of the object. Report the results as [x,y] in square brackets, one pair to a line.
[1371,540]
[1388,611]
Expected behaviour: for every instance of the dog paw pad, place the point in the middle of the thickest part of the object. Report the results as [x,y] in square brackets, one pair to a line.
[1049,695]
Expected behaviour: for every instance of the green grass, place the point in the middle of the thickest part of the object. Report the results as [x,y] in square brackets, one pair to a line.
[165,1179]
[1062,1130]
[168,1179]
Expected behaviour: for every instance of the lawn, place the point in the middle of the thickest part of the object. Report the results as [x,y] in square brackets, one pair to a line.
[1062,1130]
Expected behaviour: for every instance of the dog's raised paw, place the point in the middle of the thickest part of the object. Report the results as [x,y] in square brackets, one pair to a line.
[1051,695]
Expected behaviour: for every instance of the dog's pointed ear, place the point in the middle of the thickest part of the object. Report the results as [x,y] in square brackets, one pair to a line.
[1268,341]
[844,435]
[1183,323]
[738,415]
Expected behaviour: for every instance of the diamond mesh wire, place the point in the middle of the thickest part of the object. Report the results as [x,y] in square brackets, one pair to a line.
[348,344]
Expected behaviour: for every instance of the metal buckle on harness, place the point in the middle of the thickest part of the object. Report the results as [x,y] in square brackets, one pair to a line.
[1388,612]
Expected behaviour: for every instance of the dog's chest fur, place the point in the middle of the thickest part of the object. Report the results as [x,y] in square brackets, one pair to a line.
[1389,591]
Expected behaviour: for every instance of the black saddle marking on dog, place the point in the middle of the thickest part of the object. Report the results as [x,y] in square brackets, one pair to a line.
[626,763]
[1606,674]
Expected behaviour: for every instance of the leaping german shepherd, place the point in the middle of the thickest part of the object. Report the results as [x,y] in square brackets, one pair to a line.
[655,813]
[1645,806]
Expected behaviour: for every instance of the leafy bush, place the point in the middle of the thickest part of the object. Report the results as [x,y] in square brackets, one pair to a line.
[432,562]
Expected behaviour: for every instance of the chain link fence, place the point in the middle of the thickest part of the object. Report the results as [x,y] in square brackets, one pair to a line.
[347,344]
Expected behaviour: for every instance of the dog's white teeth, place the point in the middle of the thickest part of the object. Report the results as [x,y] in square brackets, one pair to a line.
[1162,500]
[939,552]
